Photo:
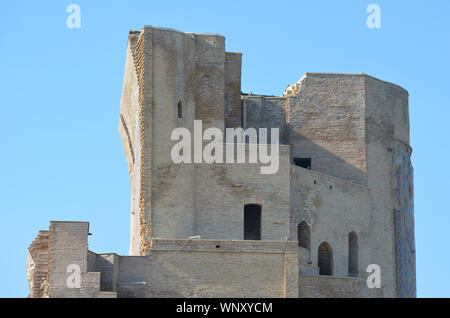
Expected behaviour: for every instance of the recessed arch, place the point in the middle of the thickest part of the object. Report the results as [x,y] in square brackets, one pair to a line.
[325,259]
[304,235]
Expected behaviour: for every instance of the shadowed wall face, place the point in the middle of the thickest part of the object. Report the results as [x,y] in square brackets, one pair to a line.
[265,112]
[326,123]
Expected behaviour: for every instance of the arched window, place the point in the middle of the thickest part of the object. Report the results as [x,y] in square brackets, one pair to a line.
[353,254]
[325,259]
[252,222]
[304,235]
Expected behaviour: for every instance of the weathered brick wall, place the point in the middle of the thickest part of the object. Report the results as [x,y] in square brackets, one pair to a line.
[354,127]
[108,266]
[133,269]
[222,190]
[211,268]
[233,113]
[266,112]
[130,131]
[349,124]
[198,268]
[326,122]
[333,208]
[192,69]
[143,176]
[387,127]
[174,67]
[173,81]
[335,287]
[129,103]
[353,124]
[67,246]
[210,80]
[91,261]
[134,290]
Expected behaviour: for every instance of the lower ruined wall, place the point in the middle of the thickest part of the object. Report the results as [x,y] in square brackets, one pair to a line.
[37,265]
[67,253]
[208,268]
[187,268]
[315,286]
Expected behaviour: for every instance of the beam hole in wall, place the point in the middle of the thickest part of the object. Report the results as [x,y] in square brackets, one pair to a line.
[352,254]
[252,222]
[180,110]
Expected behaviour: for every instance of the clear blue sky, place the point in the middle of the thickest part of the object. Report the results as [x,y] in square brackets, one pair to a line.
[62,156]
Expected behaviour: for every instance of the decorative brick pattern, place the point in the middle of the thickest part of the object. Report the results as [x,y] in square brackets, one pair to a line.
[404,226]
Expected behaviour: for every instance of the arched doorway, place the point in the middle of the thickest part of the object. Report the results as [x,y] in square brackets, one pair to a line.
[325,259]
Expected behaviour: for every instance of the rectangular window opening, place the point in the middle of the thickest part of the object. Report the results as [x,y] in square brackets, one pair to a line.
[303,162]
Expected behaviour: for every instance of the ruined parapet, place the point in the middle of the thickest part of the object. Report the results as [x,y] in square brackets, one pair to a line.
[37,265]
[60,265]
[293,89]
[326,123]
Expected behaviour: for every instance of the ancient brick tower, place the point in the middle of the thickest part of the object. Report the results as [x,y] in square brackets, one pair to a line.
[341,200]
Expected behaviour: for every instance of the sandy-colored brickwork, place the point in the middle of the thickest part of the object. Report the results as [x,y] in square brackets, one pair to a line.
[37,265]
[333,208]
[314,286]
[173,268]
[326,120]
[61,247]
[222,190]
[207,268]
